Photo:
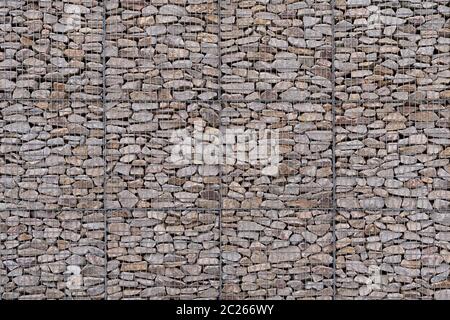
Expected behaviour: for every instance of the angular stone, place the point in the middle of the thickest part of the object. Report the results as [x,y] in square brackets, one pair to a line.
[127,199]
[386,235]
[18,127]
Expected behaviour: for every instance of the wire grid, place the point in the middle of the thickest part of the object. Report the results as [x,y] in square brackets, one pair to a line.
[155,254]
[273,50]
[266,96]
[164,51]
[393,155]
[52,254]
[51,155]
[273,254]
[174,138]
[392,254]
[301,177]
[51,50]
[391,51]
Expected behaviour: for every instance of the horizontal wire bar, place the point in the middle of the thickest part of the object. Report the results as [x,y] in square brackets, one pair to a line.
[318,100]
[445,211]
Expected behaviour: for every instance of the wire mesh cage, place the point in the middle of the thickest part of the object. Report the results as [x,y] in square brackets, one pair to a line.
[171,254]
[159,155]
[161,51]
[51,154]
[51,254]
[277,254]
[278,155]
[51,49]
[392,254]
[394,50]
[224,149]
[392,155]
[275,50]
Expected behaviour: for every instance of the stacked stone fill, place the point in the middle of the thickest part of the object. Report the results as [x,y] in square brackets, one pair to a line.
[224,149]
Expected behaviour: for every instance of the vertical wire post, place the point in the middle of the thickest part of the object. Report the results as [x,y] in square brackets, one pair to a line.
[219,99]
[105,212]
[333,146]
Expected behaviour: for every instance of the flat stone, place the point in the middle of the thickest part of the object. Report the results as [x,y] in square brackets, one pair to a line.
[386,236]
[156,30]
[174,10]
[285,254]
[357,3]
[18,127]
[153,292]
[249,226]
[26,280]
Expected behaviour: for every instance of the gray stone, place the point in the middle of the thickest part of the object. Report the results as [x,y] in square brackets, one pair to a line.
[284,254]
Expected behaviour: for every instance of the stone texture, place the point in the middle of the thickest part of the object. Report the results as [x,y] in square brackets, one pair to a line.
[51,49]
[393,155]
[51,155]
[391,254]
[52,255]
[172,254]
[144,168]
[270,50]
[277,254]
[157,65]
[392,50]
[301,178]
[162,50]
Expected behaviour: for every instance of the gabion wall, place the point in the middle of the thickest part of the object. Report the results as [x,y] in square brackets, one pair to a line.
[92,207]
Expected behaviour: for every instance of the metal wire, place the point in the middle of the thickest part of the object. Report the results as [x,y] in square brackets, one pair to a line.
[231,209]
[105,167]
[219,96]
[333,146]
[230,101]
[223,100]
